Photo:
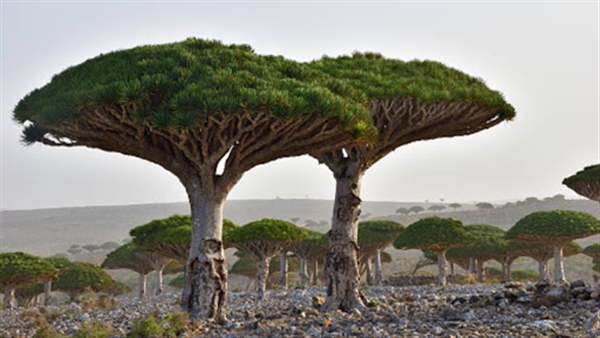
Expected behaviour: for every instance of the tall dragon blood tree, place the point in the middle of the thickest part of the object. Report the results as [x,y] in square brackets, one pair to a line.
[409,101]
[189,107]
[586,182]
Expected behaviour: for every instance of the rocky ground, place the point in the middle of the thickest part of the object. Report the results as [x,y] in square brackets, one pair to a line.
[509,310]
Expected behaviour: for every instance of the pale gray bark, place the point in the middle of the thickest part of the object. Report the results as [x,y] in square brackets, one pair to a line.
[205,288]
[10,301]
[369,272]
[315,272]
[559,268]
[159,281]
[472,265]
[341,266]
[506,270]
[262,275]
[442,269]
[543,269]
[47,291]
[480,277]
[142,285]
[283,269]
[303,273]
[377,266]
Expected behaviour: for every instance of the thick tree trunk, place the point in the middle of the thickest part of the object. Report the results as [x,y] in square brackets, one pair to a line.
[142,285]
[472,265]
[205,289]
[261,276]
[315,272]
[480,276]
[159,281]
[369,272]
[506,271]
[377,266]
[559,268]
[10,301]
[303,273]
[283,269]
[543,269]
[341,265]
[47,290]
[442,269]
[452,269]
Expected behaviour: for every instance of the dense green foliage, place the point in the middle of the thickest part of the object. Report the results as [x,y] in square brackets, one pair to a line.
[177,84]
[433,233]
[372,76]
[19,268]
[593,251]
[266,229]
[588,174]
[554,226]
[379,231]
[176,229]
[128,256]
[489,243]
[81,277]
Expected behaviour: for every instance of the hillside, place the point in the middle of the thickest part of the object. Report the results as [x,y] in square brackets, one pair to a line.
[48,231]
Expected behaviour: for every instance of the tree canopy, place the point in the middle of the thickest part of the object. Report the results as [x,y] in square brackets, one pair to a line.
[593,250]
[266,229]
[586,182]
[558,226]
[19,268]
[82,276]
[433,233]
[128,256]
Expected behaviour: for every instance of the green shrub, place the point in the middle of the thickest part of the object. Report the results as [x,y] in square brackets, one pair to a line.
[96,330]
[45,331]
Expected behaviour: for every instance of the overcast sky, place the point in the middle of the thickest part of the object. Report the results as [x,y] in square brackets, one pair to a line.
[543,56]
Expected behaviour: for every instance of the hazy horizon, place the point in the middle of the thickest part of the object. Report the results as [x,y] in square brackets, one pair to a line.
[543,57]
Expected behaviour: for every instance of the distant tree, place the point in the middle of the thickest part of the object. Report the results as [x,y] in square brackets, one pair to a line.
[543,252]
[247,266]
[294,219]
[136,258]
[435,234]
[91,247]
[373,237]
[593,251]
[436,208]
[530,200]
[110,245]
[262,240]
[18,269]
[60,263]
[74,249]
[455,206]
[403,211]
[81,277]
[554,228]
[490,243]
[586,182]
[311,247]
[169,237]
[484,206]
[428,258]
[416,209]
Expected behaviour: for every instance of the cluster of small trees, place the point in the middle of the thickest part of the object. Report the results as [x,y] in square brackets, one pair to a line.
[540,235]
[23,277]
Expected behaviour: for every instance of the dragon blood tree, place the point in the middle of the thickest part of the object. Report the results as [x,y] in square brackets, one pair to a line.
[189,107]
[543,252]
[487,239]
[374,236]
[309,249]
[554,228]
[435,234]
[136,258]
[18,269]
[586,182]
[262,240]
[80,277]
[593,251]
[408,101]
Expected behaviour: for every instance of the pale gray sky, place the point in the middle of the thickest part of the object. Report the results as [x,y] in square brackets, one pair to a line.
[542,55]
